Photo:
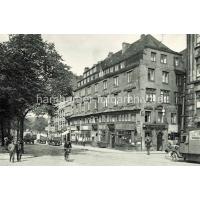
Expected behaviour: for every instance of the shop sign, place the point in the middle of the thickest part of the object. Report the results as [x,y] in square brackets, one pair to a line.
[172,128]
[154,126]
[103,127]
[85,128]
[73,128]
[121,126]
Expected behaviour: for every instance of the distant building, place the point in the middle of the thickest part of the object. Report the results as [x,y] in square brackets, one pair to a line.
[133,93]
[59,123]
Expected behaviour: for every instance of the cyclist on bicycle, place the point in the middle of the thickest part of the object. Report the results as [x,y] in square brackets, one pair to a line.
[67,145]
[67,148]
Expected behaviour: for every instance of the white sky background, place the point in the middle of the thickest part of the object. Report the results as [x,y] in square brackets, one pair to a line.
[79,51]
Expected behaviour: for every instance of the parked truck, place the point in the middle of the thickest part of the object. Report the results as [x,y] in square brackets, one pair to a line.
[55,140]
[29,137]
[42,139]
[190,145]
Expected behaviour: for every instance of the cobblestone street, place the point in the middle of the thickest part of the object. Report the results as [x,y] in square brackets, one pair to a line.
[38,155]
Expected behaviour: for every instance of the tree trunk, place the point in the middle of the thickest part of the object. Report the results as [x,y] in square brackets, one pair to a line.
[21,132]
[2,132]
[9,128]
[18,123]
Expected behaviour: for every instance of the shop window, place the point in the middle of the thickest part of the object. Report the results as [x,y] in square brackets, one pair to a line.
[148,133]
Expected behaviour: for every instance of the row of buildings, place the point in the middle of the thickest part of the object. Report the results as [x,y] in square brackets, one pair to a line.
[132,93]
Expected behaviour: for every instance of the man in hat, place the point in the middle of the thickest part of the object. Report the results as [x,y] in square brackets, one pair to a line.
[148,142]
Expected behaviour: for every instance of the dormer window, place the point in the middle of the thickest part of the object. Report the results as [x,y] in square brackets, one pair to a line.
[116,68]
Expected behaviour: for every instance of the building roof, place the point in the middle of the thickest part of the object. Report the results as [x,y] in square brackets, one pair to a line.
[184,52]
[146,41]
[135,51]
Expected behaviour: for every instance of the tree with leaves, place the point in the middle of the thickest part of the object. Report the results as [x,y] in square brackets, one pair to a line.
[30,67]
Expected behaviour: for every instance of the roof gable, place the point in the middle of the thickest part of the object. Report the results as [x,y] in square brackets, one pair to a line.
[147,41]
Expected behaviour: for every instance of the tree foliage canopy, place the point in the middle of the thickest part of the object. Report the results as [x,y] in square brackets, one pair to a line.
[30,67]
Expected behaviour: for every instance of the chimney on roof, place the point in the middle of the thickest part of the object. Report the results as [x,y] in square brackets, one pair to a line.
[110,54]
[142,36]
[86,68]
[125,46]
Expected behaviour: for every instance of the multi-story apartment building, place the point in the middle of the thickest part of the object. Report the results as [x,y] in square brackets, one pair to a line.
[59,122]
[193,82]
[129,95]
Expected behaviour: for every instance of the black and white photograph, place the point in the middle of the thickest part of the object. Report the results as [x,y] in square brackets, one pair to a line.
[100,100]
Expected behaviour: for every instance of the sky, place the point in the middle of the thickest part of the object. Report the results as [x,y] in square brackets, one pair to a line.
[85,50]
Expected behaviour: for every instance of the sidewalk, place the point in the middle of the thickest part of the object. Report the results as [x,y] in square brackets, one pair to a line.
[109,150]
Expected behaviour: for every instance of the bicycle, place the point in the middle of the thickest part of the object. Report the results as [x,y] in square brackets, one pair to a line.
[67,153]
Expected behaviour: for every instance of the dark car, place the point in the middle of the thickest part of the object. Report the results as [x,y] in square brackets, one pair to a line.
[55,141]
[29,138]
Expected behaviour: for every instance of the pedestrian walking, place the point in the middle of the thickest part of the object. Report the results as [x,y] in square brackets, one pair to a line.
[19,150]
[12,150]
[83,141]
[148,142]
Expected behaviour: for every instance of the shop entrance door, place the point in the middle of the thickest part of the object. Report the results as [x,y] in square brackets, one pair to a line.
[159,141]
